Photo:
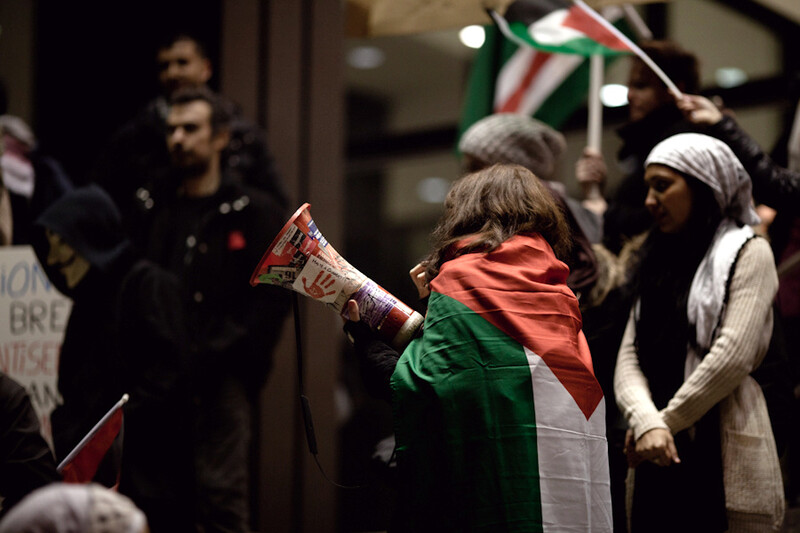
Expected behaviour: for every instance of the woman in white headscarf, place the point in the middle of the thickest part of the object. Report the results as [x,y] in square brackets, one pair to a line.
[700,445]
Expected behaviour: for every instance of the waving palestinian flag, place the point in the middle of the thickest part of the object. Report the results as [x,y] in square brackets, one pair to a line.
[560,26]
[499,420]
[514,76]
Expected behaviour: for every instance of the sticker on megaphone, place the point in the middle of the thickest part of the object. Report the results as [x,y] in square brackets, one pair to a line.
[302,260]
[320,281]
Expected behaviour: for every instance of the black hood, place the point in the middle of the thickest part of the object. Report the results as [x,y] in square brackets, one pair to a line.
[87,219]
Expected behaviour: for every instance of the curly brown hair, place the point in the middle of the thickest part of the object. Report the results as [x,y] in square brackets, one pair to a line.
[492,205]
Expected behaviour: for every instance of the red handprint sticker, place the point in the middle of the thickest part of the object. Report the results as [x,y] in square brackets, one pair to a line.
[318,287]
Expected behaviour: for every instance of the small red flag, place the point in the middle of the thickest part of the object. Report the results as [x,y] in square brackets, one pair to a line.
[82,463]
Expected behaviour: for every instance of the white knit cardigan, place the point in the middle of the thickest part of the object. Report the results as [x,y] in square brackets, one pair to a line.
[752,477]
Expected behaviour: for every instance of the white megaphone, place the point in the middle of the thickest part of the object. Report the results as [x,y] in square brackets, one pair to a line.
[300,259]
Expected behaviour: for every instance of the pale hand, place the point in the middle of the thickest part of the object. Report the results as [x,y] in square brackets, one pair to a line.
[699,109]
[658,446]
[591,169]
[420,281]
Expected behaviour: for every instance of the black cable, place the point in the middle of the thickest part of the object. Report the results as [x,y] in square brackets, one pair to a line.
[308,421]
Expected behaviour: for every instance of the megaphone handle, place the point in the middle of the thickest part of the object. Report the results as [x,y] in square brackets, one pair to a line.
[311,439]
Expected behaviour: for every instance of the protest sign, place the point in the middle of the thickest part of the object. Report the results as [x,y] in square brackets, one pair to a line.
[33,317]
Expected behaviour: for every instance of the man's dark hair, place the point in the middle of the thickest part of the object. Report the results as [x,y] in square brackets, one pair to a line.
[681,66]
[171,39]
[221,112]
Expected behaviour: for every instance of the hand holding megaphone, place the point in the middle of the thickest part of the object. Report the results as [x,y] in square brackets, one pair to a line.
[302,260]
[420,280]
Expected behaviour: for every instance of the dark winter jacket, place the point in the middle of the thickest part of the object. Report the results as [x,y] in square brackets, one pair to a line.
[213,244]
[773,185]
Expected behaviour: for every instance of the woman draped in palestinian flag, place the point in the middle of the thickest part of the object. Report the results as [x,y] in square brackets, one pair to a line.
[498,417]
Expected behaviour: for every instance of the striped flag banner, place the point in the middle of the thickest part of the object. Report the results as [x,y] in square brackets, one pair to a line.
[498,412]
[564,27]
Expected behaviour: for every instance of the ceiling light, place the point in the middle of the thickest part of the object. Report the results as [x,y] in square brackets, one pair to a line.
[472,36]
[730,77]
[614,95]
[432,190]
[366,57]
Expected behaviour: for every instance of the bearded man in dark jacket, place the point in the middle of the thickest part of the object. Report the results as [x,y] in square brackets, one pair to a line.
[211,231]
[125,335]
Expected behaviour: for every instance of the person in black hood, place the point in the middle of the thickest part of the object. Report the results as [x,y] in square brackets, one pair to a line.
[125,335]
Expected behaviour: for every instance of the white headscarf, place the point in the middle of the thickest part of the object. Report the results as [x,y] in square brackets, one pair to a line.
[73,508]
[712,162]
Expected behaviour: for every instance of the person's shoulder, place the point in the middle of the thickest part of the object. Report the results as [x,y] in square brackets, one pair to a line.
[759,250]
[755,262]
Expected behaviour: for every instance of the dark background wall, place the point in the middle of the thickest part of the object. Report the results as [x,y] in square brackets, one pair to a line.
[95,67]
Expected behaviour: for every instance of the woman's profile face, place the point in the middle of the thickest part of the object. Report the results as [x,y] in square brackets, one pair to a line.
[669,198]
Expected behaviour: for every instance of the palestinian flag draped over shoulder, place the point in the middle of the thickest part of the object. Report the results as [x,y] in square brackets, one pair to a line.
[499,420]
[534,61]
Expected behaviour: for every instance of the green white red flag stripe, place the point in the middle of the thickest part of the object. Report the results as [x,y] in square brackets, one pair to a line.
[501,385]
[529,77]
[559,26]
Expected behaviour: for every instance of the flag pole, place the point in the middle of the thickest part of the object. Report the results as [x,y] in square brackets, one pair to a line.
[91,433]
[639,26]
[595,133]
[595,120]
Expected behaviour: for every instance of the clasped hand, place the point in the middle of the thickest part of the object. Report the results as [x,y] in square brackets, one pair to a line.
[656,446]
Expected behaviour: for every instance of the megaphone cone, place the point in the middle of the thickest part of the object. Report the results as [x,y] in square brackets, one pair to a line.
[300,259]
